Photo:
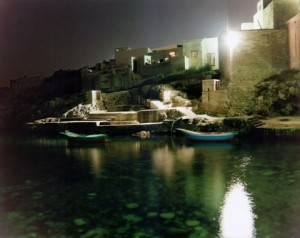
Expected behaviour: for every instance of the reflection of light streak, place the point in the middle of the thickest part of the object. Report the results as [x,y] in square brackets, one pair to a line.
[237,218]
[126,149]
[166,161]
[186,155]
[163,161]
[93,155]
[95,158]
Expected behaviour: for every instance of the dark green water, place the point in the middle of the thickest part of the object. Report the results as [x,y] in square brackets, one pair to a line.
[149,188]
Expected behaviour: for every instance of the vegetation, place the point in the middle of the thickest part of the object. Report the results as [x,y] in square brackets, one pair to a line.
[279,94]
[60,91]
[61,83]
[189,81]
[203,72]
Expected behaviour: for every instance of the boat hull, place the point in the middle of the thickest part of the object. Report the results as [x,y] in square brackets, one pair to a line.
[208,136]
[82,138]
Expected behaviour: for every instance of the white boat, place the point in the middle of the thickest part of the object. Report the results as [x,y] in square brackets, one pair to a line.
[83,138]
[208,136]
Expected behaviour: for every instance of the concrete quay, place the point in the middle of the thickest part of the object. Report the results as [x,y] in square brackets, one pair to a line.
[95,127]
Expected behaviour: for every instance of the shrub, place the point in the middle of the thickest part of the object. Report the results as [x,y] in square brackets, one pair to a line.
[279,94]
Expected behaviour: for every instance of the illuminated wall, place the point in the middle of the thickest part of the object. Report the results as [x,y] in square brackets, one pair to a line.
[192,49]
[210,52]
[257,54]
[294,41]
[201,51]
[214,99]
[274,14]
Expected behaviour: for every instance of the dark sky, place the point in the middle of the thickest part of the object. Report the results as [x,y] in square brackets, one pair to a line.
[38,37]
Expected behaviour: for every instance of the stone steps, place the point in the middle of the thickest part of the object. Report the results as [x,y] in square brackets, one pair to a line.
[255,122]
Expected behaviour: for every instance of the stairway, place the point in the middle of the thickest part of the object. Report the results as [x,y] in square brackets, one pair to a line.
[187,111]
[255,122]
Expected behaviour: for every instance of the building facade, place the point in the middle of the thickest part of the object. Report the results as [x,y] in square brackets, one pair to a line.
[131,66]
[256,54]
[260,49]
[273,14]
[294,41]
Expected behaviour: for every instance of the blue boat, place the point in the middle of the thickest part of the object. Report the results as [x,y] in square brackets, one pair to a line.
[208,136]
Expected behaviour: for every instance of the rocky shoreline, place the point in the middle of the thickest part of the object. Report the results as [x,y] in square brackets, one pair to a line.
[248,127]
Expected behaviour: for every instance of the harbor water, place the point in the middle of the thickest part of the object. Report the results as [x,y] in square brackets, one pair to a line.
[148,188]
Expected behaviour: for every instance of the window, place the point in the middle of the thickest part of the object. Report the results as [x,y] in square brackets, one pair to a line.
[194,53]
[172,53]
[211,59]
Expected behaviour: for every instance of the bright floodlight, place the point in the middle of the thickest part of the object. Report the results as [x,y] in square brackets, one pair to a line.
[233,39]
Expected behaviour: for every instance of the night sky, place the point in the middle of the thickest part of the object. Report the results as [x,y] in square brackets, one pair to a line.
[38,37]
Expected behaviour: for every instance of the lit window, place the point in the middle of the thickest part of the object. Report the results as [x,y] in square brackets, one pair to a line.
[172,54]
[194,53]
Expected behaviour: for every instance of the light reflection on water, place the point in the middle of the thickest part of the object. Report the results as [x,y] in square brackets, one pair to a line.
[237,217]
[206,190]
[166,160]
[92,154]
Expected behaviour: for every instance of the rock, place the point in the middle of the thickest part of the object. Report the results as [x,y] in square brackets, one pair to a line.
[143,134]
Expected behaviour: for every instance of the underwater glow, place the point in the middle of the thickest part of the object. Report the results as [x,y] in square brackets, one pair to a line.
[237,218]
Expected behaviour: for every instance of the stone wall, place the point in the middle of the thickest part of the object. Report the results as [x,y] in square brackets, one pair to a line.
[117,100]
[258,55]
[215,102]
[294,41]
[274,14]
[283,11]
[113,80]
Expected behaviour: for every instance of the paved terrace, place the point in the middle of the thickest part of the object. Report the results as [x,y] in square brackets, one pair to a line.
[281,123]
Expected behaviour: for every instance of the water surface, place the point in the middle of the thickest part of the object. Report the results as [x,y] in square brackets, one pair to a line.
[156,187]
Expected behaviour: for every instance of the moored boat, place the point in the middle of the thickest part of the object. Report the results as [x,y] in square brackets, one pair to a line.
[208,136]
[84,138]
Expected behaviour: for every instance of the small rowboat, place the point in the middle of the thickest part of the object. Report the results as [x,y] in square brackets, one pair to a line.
[208,136]
[84,138]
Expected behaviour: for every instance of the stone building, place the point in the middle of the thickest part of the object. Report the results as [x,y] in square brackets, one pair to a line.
[161,61]
[266,46]
[190,54]
[131,66]
[108,80]
[258,51]
[272,14]
[294,41]
[202,51]
[125,56]
[251,57]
